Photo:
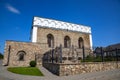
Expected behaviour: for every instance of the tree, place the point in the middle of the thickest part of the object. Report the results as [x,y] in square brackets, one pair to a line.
[1,56]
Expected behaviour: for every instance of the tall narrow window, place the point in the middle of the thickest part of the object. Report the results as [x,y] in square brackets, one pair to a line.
[21,55]
[80,42]
[50,40]
[67,42]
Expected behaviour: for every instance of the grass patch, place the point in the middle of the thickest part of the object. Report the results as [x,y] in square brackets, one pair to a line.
[26,71]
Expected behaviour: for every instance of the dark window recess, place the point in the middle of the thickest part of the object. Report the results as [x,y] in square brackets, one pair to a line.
[50,40]
[67,42]
[21,55]
[80,42]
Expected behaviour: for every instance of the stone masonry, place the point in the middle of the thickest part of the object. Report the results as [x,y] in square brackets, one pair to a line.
[59,37]
[62,69]
[31,49]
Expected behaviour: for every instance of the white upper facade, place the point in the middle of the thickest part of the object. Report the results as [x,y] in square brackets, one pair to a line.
[49,23]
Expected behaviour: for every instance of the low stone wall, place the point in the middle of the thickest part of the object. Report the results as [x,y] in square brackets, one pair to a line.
[62,69]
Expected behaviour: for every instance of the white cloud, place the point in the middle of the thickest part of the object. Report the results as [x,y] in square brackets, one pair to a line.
[12,9]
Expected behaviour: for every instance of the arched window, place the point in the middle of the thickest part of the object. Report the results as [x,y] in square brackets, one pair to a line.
[67,42]
[21,55]
[50,40]
[80,42]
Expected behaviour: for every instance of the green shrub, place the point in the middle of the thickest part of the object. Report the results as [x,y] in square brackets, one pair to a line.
[109,58]
[89,58]
[32,63]
[1,56]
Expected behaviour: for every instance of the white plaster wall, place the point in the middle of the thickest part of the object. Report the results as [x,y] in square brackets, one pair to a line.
[91,44]
[34,34]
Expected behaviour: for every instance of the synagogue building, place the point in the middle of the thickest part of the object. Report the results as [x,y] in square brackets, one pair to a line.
[46,36]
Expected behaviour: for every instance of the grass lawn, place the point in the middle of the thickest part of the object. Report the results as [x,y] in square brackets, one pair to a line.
[26,71]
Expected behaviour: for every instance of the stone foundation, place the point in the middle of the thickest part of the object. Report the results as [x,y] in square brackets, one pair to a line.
[62,69]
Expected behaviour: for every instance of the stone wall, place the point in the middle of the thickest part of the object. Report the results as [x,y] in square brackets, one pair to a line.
[41,46]
[13,47]
[59,37]
[72,69]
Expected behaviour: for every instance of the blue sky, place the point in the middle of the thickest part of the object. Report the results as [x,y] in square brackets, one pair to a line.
[103,16]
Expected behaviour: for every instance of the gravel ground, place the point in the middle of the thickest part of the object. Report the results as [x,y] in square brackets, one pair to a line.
[104,75]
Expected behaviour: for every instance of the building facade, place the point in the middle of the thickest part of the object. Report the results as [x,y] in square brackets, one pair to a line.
[47,34]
